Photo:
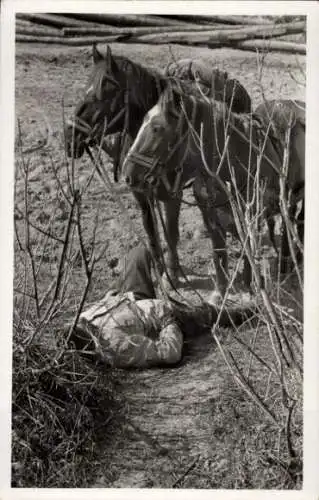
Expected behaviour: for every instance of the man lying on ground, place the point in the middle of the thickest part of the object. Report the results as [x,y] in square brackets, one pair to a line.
[130,327]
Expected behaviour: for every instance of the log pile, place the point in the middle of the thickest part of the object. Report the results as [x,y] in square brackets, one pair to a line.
[240,32]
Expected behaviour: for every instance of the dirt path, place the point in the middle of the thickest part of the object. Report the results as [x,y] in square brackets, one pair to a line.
[169,421]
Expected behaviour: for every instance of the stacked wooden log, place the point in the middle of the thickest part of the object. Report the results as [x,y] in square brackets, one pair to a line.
[242,32]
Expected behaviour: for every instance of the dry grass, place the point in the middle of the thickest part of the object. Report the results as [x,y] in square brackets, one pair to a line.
[60,415]
[63,403]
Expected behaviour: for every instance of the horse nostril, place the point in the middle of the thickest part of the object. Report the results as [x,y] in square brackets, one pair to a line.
[128,180]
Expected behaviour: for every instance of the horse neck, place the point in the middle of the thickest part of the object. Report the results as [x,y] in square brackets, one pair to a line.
[187,128]
[191,117]
[143,96]
[200,130]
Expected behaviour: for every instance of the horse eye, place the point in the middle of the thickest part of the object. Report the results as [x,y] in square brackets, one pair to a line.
[110,83]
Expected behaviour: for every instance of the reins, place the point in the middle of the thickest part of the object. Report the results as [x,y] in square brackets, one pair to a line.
[81,125]
[117,160]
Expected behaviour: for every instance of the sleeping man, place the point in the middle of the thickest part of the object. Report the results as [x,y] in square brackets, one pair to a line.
[130,327]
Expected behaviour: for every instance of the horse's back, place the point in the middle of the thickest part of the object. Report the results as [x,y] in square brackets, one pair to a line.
[281,113]
[217,83]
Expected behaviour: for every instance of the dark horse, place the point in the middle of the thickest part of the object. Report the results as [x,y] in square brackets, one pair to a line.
[186,137]
[118,95]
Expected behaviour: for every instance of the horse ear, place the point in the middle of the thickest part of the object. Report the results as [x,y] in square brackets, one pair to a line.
[165,98]
[108,56]
[110,60]
[175,101]
[177,98]
[171,102]
[97,56]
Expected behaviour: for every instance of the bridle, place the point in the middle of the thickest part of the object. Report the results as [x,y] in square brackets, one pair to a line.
[80,125]
[156,169]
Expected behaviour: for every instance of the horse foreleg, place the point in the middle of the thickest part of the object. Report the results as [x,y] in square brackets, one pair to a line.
[220,257]
[149,227]
[172,211]
[217,236]
[270,221]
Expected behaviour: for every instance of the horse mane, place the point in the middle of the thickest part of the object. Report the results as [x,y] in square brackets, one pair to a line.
[151,80]
[211,107]
[129,66]
[134,72]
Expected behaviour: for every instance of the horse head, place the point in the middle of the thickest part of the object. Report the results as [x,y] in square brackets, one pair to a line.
[102,109]
[149,165]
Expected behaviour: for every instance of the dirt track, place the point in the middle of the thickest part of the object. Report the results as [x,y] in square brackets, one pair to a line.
[189,415]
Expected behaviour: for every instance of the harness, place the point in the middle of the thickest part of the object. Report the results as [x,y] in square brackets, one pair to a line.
[157,172]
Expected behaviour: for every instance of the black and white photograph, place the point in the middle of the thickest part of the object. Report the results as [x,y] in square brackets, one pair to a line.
[160,246]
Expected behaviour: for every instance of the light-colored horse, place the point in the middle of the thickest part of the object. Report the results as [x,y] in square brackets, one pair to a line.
[186,138]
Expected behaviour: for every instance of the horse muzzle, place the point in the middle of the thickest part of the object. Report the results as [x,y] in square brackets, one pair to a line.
[134,176]
[77,136]
[75,149]
[141,171]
